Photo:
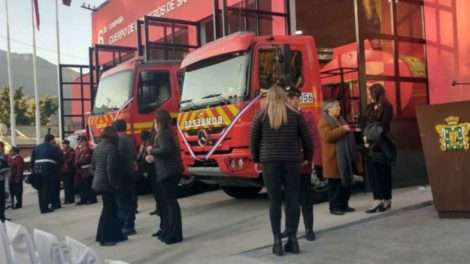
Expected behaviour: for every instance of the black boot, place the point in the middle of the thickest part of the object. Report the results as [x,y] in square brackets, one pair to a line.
[285,233]
[277,247]
[292,245]
[309,235]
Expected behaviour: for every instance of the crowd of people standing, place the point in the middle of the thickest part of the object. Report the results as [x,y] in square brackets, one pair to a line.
[283,144]
[113,164]
[11,180]
[286,143]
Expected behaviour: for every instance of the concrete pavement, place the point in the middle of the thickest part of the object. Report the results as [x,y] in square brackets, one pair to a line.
[415,236]
[215,226]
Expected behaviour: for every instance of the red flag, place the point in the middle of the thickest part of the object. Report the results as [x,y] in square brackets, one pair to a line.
[67,2]
[36,11]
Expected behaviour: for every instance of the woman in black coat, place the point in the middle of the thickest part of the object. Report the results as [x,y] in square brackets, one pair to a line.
[105,164]
[278,135]
[381,152]
[169,169]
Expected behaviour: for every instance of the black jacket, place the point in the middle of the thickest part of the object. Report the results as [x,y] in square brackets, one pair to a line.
[285,144]
[383,115]
[167,155]
[4,168]
[105,166]
[376,126]
[127,152]
[46,159]
[382,146]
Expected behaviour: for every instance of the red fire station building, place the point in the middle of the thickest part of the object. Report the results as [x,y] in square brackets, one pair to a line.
[424,45]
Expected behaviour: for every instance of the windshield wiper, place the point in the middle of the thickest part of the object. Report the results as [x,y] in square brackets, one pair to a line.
[190,102]
[219,96]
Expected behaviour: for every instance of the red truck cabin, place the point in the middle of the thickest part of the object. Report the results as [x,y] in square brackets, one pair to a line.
[134,91]
[220,97]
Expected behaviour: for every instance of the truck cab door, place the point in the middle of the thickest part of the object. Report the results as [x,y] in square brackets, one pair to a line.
[302,67]
[155,90]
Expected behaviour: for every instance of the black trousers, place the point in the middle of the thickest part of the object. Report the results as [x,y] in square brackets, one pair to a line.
[46,185]
[282,180]
[69,191]
[126,205]
[154,187]
[16,192]
[2,201]
[86,193]
[306,201]
[380,177]
[55,191]
[338,195]
[109,228]
[170,214]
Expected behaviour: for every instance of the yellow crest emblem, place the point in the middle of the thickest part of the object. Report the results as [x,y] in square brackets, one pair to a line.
[453,136]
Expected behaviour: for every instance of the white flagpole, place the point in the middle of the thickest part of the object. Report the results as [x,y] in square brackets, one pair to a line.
[58,67]
[36,95]
[10,83]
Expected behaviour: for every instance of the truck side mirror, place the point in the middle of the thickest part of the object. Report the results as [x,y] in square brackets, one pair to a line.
[180,77]
[283,58]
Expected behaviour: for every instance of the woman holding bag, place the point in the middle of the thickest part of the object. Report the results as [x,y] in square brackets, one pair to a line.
[380,146]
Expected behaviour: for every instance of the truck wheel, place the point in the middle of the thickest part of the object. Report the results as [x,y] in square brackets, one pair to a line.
[191,186]
[242,192]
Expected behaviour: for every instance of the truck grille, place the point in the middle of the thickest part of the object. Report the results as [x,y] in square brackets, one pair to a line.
[210,131]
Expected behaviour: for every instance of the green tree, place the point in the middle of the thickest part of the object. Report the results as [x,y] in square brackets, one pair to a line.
[5,105]
[48,106]
[20,106]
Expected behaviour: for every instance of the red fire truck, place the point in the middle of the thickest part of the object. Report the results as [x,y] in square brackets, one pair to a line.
[129,83]
[223,89]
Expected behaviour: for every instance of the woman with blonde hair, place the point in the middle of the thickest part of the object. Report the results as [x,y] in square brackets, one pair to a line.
[278,135]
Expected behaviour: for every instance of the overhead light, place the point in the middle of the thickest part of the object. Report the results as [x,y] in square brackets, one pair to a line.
[299,32]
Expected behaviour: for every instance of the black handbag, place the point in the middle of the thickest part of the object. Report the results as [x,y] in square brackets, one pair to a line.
[33,179]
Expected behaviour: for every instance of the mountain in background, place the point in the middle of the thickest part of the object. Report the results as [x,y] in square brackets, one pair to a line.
[22,73]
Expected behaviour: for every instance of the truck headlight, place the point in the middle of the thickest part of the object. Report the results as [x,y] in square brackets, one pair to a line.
[240,163]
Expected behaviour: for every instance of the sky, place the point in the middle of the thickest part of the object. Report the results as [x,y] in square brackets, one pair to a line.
[74,24]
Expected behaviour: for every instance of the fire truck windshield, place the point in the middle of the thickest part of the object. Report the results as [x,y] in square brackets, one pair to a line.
[217,81]
[113,91]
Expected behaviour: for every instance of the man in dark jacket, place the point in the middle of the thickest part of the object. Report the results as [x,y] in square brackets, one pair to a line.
[306,191]
[45,162]
[126,194]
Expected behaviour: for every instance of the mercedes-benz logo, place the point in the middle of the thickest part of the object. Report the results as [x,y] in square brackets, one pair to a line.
[202,137]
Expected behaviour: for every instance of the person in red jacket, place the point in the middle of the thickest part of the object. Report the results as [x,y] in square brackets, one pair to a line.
[82,175]
[16,163]
[68,172]
[306,191]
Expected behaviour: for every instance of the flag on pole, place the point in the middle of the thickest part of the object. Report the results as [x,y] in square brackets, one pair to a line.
[67,2]
[36,11]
